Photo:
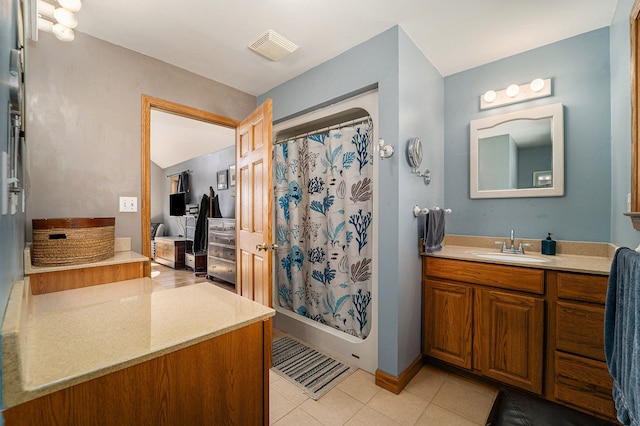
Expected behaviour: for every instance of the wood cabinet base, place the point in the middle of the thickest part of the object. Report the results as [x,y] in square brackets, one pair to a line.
[70,279]
[218,381]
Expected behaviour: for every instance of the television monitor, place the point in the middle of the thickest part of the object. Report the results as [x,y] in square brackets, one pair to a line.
[177,206]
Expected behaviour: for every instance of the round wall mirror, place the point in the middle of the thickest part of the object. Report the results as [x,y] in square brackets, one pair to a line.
[414,152]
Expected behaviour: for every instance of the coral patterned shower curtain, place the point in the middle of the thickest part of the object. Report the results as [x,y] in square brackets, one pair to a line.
[323,226]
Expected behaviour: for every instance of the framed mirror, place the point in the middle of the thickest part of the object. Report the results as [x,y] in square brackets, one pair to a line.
[518,154]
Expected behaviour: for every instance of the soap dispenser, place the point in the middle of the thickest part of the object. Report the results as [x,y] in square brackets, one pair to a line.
[549,246]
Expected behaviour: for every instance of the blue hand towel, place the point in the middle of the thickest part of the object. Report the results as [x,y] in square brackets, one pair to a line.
[434,231]
[622,334]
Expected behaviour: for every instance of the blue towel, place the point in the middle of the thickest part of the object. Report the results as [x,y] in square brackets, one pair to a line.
[434,231]
[622,334]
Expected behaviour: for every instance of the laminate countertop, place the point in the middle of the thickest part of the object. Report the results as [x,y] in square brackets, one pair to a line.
[53,341]
[119,257]
[571,256]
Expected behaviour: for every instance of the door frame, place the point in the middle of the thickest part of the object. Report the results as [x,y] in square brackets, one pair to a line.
[149,103]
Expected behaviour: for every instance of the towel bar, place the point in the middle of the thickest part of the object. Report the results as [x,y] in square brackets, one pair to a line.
[418,211]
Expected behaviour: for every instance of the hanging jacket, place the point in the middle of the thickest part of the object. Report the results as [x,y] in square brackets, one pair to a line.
[183,186]
[200,235]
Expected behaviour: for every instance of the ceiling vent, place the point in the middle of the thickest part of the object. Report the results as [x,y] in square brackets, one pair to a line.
[273,46]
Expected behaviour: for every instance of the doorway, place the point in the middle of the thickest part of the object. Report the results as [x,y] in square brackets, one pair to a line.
[148,104]
[253,191]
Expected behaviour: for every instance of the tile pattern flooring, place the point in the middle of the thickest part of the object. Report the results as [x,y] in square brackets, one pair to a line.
[433,397]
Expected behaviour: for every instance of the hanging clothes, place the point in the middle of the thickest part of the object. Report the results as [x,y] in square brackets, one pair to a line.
[324,209]
[216,207]
[183,186]
[200,234]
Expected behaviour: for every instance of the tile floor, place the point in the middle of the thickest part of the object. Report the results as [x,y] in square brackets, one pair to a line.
[433,397]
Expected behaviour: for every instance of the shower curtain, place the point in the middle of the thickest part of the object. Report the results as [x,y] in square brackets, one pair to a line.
[323,226]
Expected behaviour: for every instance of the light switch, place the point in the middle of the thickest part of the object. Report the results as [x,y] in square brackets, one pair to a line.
[129,204]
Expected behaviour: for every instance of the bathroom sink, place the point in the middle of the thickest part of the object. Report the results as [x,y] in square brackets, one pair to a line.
[511,257]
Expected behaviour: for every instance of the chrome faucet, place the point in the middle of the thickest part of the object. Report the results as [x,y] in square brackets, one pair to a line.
[512,240]
[512,245]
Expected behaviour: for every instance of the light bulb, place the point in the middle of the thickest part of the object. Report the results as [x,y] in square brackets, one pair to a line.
[44,25]
[63,33]
[71,5]
[65,17]
[537,85]
[489,96]
[513,90]
[46,9]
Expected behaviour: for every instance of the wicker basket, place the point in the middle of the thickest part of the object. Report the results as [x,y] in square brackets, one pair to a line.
[72,241]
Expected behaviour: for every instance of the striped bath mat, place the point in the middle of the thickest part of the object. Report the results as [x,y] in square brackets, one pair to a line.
[314,372]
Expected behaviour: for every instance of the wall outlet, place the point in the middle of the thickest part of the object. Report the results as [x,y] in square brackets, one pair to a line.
[129,204]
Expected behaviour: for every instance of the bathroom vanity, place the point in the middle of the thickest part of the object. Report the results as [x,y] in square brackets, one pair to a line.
[133,352]
[537,325]
[124,265]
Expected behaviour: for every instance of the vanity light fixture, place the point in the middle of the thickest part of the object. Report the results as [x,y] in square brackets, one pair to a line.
[60,21]
[537,85]
[512,90]
[538,88]
[490,96]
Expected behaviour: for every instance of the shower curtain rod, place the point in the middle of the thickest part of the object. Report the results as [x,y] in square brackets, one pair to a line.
[326,129]
[179,173]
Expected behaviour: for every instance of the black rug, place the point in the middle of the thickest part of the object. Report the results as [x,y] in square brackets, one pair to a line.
[513,408]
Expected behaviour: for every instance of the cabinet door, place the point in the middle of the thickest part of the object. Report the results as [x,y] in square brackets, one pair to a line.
[512,339]
[447,322]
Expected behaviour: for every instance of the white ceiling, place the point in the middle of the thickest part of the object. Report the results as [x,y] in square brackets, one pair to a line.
[210,37]
[175,139]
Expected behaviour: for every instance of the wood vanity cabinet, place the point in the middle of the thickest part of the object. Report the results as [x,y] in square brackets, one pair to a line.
[538,330]
[576,366]
[485,318]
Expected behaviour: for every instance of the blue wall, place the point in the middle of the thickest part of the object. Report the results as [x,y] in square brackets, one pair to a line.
[204,173]
[579,69]
[12,227]
[622,233]
[421,114]
[410,97]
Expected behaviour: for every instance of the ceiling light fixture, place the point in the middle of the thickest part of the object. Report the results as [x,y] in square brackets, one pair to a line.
[538,88]
[59,21]
[71,5]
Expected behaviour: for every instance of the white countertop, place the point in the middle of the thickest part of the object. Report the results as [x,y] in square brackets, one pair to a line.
[122,254]
[55,340]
